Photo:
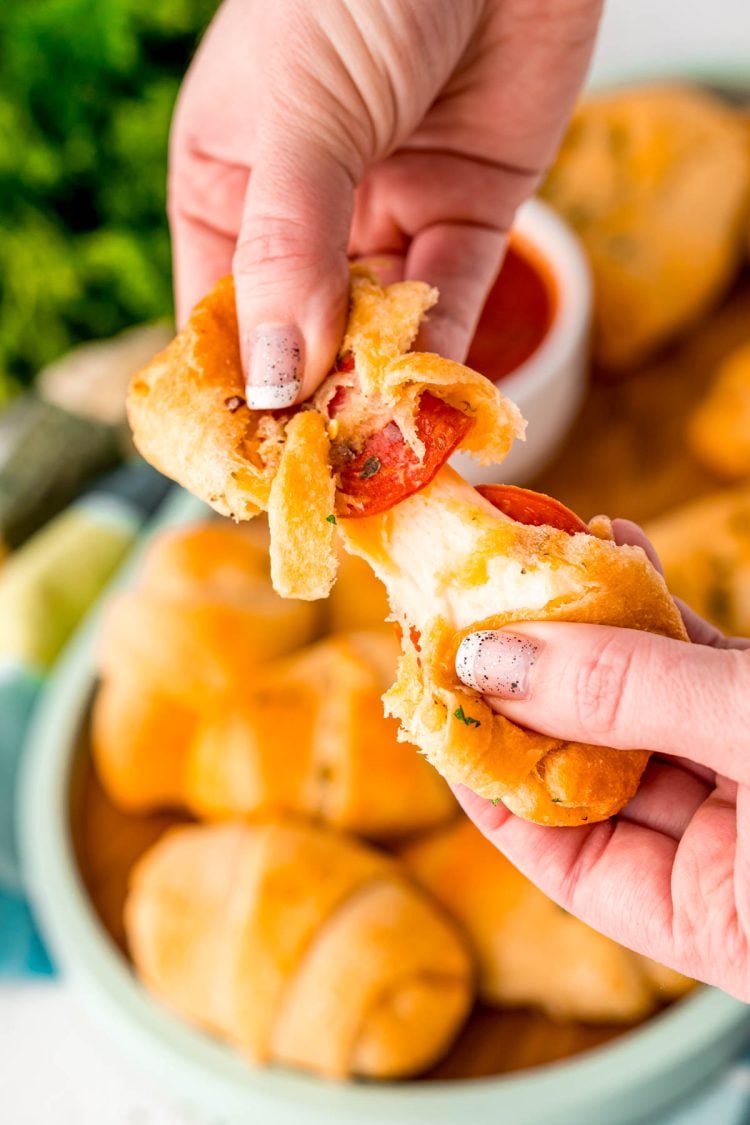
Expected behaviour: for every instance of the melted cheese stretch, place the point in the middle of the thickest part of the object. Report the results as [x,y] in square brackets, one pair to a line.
[448,553]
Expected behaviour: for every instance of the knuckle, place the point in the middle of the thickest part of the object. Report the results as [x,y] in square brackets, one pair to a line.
[603,682]
[275,242]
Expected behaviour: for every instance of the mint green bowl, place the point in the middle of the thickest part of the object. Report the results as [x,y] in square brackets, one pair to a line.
[639,1073]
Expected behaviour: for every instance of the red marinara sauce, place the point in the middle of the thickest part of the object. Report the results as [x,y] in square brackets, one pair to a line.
[517,314]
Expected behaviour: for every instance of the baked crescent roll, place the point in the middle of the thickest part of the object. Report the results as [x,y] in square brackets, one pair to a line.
[202,614]
[372,444]
[718,431]
[300,947]
[655,180]
[704,547]
[306,735]
[530,952]
[484,570]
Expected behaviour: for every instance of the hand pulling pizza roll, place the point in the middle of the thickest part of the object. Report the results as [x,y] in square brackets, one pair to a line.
[455,561]
[373,443]
[531,952]
[299,946]
[378,429]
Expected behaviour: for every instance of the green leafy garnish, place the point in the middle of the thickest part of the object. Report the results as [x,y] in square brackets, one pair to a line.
[461,715]
[86,97]
[330,519]
[370,468]
[495,801]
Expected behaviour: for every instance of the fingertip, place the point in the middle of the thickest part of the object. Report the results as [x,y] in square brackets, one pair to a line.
[628,533]
[290,266]
[290,332]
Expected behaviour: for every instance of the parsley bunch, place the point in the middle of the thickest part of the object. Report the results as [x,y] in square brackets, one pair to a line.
[86,94]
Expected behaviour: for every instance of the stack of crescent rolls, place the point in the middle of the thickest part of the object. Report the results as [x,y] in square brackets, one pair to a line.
[329,909]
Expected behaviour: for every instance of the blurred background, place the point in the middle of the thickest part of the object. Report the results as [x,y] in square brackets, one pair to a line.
[86,93]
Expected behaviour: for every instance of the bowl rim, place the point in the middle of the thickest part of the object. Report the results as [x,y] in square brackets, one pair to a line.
[206,1072]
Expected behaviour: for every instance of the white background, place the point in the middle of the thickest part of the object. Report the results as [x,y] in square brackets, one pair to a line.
[56,1068]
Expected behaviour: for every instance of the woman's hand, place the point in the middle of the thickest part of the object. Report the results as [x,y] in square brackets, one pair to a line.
[669,876]
[408,130]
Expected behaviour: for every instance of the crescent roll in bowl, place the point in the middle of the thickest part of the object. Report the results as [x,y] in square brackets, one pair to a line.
[299,946]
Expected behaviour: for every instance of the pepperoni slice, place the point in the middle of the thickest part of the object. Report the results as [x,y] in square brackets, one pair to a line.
[385,470]
[536,508]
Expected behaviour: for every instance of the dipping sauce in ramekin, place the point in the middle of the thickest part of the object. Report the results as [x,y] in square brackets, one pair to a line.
[532,339]
[517,315]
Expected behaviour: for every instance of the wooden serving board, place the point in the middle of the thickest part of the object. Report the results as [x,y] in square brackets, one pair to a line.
[626,453]
[624,456]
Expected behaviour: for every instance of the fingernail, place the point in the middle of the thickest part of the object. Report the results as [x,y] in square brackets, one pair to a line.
[275,370]
[497,663]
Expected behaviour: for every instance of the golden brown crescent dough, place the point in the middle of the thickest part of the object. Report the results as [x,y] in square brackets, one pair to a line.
[656,181]
[704,547]
[530,951]
[453,564]
[189,418]
[203,707]
[718,431]
[300,946]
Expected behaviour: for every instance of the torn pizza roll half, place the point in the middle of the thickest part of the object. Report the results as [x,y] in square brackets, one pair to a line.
[457,560]
[377,430]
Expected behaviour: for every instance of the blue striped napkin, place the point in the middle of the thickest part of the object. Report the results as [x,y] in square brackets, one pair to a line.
[46,587]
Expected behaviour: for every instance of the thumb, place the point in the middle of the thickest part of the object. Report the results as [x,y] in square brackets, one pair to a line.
[618,687]
[290,264]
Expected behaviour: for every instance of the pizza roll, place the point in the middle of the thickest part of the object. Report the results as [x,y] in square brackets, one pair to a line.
[300,947]
[452,559]
[719,429]
[193,714]
[531,952]
[655,181]
[704,547]
[307,735]
[202,614]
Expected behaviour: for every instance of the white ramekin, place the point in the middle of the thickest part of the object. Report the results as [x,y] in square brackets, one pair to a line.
[548,387]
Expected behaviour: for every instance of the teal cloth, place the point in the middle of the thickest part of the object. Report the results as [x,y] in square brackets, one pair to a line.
[21,949]
[63,576]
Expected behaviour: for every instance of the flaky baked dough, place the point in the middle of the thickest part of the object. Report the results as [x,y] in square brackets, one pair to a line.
[452,564]
[531,952]
[185,717]
[202,615]
[656,181]
[718,431]
[704,547]
[300,947]
[189,419]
